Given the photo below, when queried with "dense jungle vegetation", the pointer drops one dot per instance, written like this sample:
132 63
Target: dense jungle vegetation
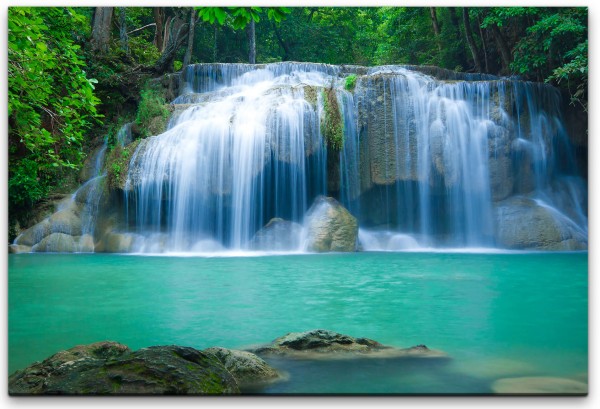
76 74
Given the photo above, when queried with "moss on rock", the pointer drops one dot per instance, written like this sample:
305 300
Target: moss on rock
332 124
109 368
117 165
153 112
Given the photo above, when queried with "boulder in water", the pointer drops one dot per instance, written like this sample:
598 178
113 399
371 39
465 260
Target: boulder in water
524 223
324 344
539 385
246 368
278 235
330 227
110 368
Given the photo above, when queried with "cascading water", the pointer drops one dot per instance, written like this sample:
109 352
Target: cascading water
425 162
249 150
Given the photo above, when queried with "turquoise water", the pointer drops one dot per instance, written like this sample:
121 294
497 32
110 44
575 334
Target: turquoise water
496 315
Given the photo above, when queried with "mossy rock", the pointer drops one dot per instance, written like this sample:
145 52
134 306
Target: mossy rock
109 368
310 95
117 165
321 344
332 124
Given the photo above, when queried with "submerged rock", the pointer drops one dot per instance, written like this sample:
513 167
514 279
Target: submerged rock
277 235
330 227
524 223
111 368
18 248
114 242
325 344
86 243
246 368
539 385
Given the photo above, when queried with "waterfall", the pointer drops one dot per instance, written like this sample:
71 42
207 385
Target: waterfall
428 155
250 151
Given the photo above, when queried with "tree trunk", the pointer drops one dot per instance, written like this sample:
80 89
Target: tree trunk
283 44
190 41
166 33
101 29
176 35
436 27
470 40
462 58
159 19
252 42
484 46
215 48
503 48
123 30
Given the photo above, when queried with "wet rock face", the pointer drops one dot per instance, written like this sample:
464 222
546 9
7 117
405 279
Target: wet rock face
523 223
114 242
330 227
111 368
277 235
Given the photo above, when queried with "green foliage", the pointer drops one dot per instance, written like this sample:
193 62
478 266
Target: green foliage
240 17
51 101
152 113
213 14
350 82
555 49
332 124
117 165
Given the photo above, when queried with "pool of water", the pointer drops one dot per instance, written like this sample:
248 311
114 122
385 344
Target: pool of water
496 315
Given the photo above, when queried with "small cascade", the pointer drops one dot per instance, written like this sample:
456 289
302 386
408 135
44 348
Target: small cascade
124 136
90 193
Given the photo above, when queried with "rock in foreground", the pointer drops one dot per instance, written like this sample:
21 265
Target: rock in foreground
110 368
247 368
324 344
330 227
